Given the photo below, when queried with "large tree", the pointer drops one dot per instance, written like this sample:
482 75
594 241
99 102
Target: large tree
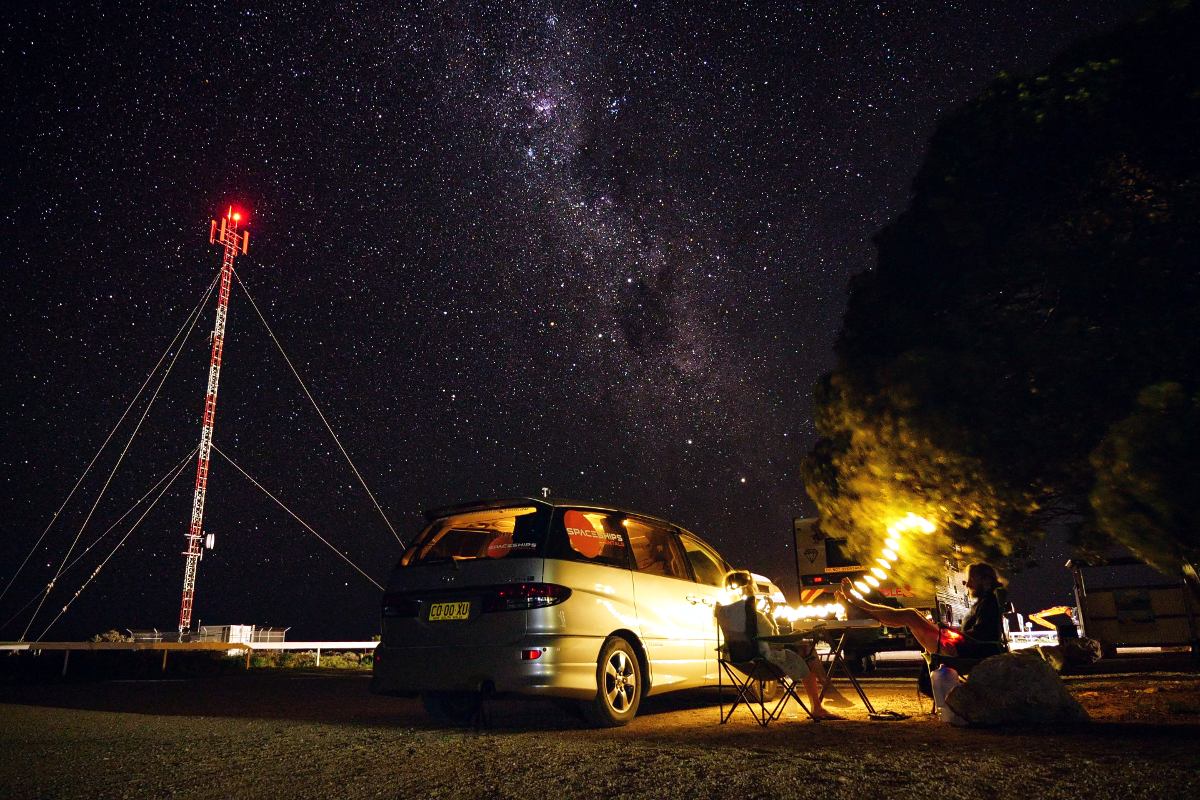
1045 272
1148 479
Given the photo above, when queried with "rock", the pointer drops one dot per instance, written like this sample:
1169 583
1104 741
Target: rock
1071 653
1015 688
1080 652
1053 654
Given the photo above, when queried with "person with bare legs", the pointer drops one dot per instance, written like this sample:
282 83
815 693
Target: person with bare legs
982 630
800 662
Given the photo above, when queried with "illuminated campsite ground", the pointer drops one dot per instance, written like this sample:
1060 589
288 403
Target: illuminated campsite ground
274 734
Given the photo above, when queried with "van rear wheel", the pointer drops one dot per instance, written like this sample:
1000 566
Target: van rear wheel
452 708
618 686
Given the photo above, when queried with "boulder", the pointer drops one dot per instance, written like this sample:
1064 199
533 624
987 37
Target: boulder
1081 652
1015 688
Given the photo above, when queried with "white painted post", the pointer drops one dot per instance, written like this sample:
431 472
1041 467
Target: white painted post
66 658
318 656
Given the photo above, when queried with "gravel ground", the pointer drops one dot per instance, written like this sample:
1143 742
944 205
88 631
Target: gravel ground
269 734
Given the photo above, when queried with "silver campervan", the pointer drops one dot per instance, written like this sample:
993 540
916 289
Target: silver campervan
553 598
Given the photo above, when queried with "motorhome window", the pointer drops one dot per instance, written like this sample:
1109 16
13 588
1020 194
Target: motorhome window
594 537
518 532
706 565
655 549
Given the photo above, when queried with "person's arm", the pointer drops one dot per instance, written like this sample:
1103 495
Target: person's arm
766 624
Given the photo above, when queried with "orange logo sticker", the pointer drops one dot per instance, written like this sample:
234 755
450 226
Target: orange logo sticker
588 538
500 545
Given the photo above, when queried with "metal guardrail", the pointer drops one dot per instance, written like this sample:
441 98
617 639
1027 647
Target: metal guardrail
35 646
312 645
317 646
231 648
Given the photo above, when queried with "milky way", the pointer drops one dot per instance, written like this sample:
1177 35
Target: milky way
600 248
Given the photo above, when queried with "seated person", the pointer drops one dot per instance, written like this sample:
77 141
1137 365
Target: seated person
982 630
798 661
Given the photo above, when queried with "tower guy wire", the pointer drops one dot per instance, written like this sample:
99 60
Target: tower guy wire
296 517
87 582
170 473
54 517
321 414
111 473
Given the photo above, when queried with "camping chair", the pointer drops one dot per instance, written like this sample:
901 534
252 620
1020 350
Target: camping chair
740 661
962 664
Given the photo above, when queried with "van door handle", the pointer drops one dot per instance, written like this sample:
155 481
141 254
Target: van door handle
693 599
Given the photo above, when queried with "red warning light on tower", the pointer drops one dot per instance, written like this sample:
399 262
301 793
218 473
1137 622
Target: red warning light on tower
226 230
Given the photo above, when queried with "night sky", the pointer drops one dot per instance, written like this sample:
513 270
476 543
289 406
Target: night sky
601 248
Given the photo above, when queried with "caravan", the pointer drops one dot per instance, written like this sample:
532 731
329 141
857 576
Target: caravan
822 562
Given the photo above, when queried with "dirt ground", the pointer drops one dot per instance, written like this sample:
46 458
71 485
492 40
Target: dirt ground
322 735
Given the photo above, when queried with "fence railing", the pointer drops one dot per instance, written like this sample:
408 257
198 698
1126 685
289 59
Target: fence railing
231 648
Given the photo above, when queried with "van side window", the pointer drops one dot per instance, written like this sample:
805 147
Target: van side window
595 537
706 565
655 550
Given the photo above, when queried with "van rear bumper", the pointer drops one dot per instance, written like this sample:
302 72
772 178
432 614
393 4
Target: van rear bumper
565 668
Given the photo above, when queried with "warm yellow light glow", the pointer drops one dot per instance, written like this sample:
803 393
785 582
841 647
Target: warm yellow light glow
911 522
491 515
855 592
890 554
727 596
893 542
871 579
883 562
862 587
878 573
791 614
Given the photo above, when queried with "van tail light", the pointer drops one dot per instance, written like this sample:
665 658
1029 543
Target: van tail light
518 596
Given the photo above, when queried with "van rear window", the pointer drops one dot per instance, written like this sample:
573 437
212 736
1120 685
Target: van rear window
517 532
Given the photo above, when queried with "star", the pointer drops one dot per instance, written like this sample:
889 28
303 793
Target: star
614 231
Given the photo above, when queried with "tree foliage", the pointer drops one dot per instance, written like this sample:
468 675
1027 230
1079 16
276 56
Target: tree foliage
1148 478
1045 272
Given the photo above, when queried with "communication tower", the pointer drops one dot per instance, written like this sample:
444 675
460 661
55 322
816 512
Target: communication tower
225 233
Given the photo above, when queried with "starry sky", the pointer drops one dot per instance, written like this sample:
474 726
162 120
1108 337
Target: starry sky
601 248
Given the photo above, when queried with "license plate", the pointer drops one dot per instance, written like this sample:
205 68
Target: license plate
440 612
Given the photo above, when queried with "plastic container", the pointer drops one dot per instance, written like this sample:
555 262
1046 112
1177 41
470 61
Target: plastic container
944 680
